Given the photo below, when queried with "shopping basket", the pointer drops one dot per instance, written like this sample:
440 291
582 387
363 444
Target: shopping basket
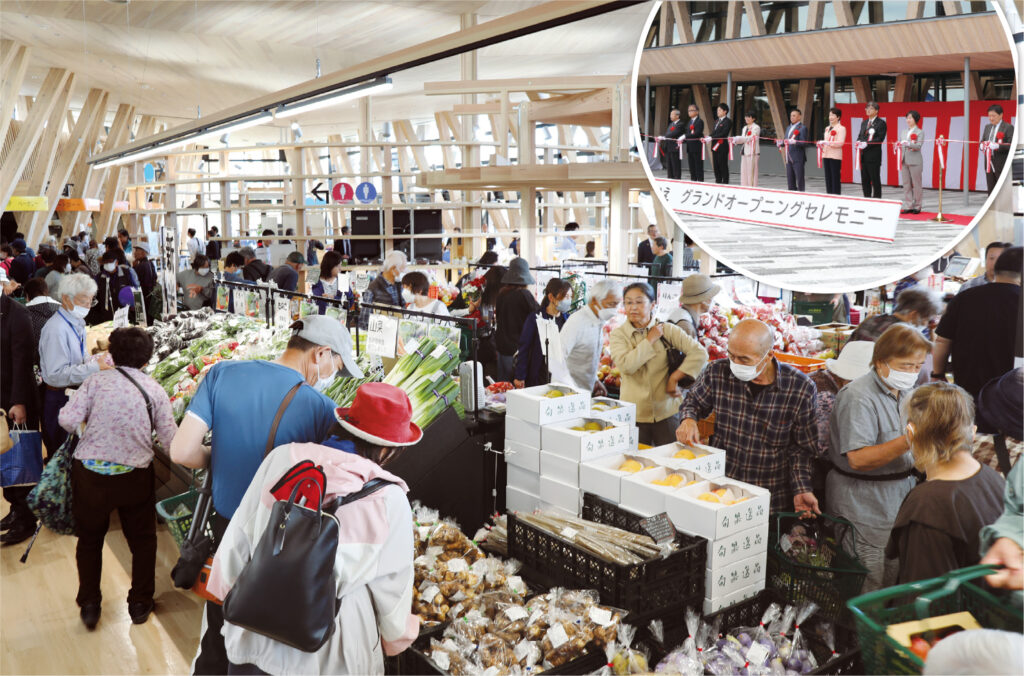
949 593
177 512
836 575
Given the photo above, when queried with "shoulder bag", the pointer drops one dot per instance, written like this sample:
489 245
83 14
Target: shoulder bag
149 408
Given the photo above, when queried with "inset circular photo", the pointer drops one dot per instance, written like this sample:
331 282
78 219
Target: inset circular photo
826 146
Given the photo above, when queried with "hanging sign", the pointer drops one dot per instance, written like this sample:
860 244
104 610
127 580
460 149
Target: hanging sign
381 335
342 192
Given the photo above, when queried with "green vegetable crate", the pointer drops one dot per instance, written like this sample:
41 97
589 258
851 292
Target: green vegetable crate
830 575
949 593
171 510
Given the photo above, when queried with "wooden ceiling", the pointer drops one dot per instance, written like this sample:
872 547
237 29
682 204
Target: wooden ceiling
170 57
925 46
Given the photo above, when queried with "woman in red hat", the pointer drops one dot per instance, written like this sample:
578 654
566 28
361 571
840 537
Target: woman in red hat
374 564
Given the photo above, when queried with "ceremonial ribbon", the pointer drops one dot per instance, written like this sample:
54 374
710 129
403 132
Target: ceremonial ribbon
856 157
704 147
679 144
657 144
821 152
986 147
940 146
897 147
731 141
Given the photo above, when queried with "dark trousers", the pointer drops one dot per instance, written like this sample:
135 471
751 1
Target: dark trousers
94 497
53 434
871 178
833 183
696 165
213 657
720 163
18 497
658 433
673 164
795 175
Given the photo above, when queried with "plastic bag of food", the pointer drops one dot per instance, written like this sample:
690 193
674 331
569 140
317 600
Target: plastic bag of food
528 654
494 651
603 624
563 641
451 657
470 628
510 622
623 657
800 658
429 603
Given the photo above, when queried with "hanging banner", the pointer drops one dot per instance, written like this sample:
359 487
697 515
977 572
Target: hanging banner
856 217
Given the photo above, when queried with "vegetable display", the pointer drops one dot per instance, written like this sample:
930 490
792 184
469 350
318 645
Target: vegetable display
424 372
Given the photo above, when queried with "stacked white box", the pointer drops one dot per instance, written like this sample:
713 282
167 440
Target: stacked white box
639 493
735 582
531 404
615 411
603 478
523 480
582 445
715 521
711 464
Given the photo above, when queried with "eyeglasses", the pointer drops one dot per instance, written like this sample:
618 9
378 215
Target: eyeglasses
92 302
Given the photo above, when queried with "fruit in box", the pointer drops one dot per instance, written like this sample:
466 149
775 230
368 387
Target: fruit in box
672 480
709 497
554 394
593 426
631 466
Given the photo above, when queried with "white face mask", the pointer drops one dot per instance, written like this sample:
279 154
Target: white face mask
67 268
408 296
745 372
901 380
203 271
323 383
80 311
606 313
564 305
110 267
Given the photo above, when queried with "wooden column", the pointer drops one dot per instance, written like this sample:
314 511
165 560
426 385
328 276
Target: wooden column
684 25
903 91
665 21
755 19
777 106
45 152
117 135
618 227
13 65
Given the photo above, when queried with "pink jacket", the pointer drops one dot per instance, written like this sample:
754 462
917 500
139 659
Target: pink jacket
834 145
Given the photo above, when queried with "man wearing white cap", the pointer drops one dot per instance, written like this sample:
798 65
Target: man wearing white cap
695 300
239 402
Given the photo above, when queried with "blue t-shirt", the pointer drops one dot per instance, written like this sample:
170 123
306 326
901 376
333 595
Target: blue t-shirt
238 401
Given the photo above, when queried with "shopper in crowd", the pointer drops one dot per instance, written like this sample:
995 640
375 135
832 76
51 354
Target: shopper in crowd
913 165
63 360
19 398
194 245
1002 542
662 265
59 267
489 297
567 246
124 240
582 337
750 152
992 253
112 244
532 367
872 463
44 262
6 258
286 276
23 266
328 286
514 305
416 295
77 264
374 567
916 306
20 235
41 306
197 285
639 349
237 401
234 265
386 288
92 257
264 247
994 652
591 248
980 326
311 247
483 264
113 469
832 154
213 247
764 417
870 144
114 284
343 245
254 270
144 269
645 250
695 300
854 361
937 528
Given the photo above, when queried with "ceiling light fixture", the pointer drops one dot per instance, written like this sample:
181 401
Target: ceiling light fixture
381 84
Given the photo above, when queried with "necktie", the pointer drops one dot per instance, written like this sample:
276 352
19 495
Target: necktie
992 134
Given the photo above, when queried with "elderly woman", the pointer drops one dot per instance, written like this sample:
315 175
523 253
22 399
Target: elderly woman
938 526
871 456
695 300
640 351
113 469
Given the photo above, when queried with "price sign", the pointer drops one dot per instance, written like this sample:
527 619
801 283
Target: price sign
282 311
659 527
121 317
239 299
668 297
381 335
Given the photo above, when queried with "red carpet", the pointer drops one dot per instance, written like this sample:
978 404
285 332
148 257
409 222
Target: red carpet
928 215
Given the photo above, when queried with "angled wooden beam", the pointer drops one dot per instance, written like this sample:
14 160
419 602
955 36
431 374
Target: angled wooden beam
844 13
20 153
975 91
777 106
684 24
862 89
755 19
904 88
805 98
732 20
117 135
703 101
14 69
915 9
592 108
665 20
489 108
45 155
83 175
815 15
706 28
951 7
74 149
445 135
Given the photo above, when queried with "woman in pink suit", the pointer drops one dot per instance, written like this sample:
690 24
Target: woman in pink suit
835 137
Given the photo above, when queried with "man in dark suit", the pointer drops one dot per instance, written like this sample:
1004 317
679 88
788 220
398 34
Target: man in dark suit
669 148
644 252
1000 135
694 136
796 151
343 244
872 133
720 144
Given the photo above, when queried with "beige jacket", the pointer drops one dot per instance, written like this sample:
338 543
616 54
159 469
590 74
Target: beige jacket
834 146
644 368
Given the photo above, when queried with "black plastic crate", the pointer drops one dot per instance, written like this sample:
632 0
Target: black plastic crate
606 512
645 588
416 660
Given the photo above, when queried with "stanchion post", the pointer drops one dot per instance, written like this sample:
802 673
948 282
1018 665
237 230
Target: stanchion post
939 218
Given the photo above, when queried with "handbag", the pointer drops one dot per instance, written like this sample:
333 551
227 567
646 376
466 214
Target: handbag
198 546
50 500
286 591
6 441
22 464
675 357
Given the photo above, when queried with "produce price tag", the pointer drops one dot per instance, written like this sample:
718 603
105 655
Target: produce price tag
282 311
757 654
381 335
441 659
515 613
601 616
238 301
431 593
121 317
424 585
492 671
569 533
659 527
435 552
557 636
458 566
438 351
668 297
436 375
480 567
515 583
536 615
424 532
522 650
411 345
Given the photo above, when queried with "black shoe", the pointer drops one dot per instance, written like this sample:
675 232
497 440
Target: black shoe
19 532
915 211
8 521
139 612
90 615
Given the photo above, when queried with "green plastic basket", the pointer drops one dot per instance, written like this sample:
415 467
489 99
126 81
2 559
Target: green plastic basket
830 585
950 593
178 525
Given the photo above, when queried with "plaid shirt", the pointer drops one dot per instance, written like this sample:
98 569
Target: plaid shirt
769 439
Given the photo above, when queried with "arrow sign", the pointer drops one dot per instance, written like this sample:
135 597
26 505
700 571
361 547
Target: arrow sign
319 193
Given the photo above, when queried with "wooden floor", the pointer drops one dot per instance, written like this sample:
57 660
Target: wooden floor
40 632
815 262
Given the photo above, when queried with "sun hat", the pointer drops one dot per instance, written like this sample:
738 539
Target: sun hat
329 332
380 414
698 289
518 272
854 361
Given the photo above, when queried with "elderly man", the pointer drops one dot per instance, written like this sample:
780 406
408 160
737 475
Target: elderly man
581 336
287 276
916 306
386 288
764 417
254 269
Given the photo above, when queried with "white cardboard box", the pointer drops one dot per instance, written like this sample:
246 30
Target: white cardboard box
523 479
560 468
531 405
737 546
559 438
521 501
715 521
522 432
710 465
555 509
561 495
521 455
603 478
642 496
622 412
714 605
735 576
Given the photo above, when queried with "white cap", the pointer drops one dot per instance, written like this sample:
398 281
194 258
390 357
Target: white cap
854 361
329 332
